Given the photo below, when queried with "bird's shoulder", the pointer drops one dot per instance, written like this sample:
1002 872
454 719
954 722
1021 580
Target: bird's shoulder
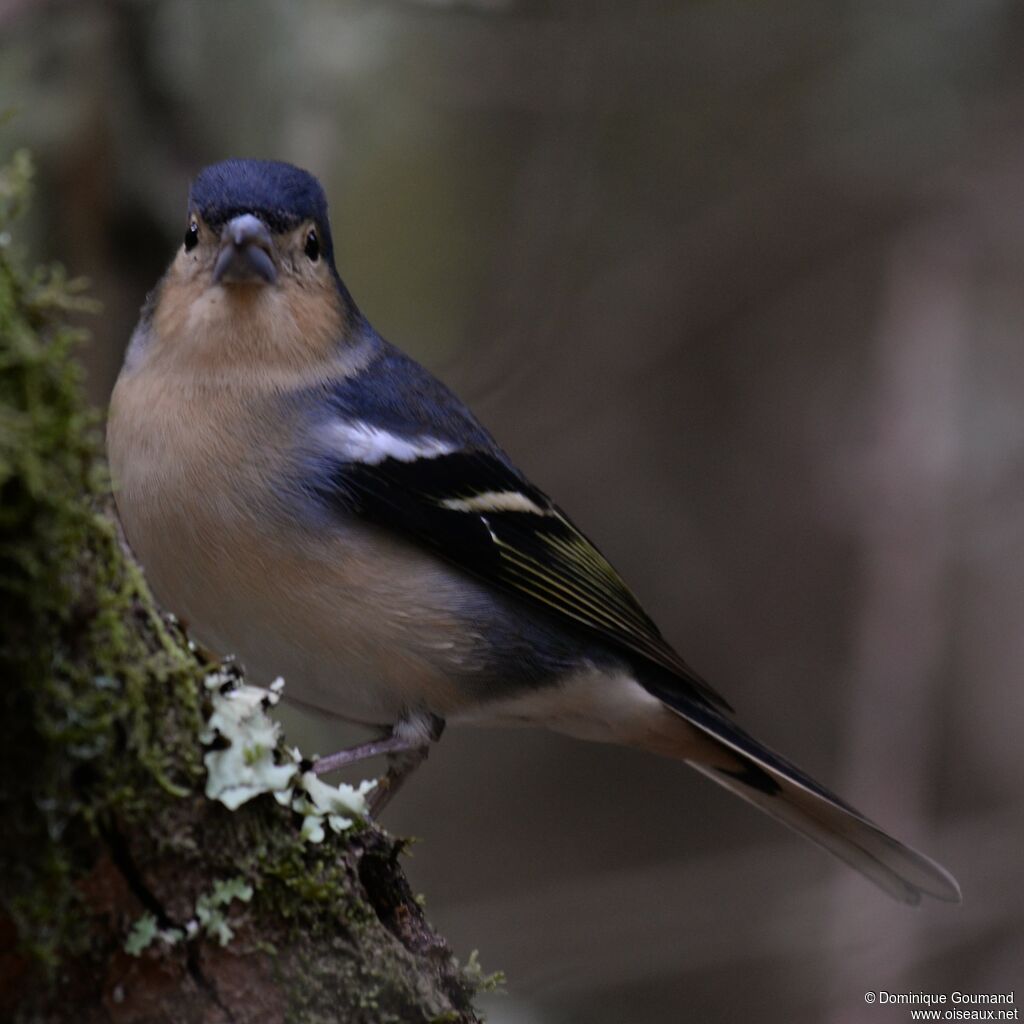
394 393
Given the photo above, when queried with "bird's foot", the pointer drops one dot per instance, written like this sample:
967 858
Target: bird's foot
406 748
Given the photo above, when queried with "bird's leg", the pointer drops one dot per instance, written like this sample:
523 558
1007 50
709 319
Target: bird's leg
424 729
406 746
391 744
400 767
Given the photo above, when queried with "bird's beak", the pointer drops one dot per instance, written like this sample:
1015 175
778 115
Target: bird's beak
246 253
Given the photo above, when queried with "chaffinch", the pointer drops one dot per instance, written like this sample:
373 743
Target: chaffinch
312 500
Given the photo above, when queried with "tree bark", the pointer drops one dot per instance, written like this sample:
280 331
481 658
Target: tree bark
126 894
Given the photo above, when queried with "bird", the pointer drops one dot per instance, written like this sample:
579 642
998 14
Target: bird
313 501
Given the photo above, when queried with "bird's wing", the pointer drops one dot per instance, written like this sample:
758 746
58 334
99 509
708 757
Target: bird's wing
475 510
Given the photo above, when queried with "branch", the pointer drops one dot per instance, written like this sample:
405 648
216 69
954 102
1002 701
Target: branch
126 892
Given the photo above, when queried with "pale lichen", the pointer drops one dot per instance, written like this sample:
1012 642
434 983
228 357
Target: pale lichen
243 763
147 931
142 934
338 805
248 759
210 908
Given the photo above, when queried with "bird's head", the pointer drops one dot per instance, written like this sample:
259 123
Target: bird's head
254 277
257 222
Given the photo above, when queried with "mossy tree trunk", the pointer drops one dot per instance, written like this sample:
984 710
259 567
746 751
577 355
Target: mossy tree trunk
125 893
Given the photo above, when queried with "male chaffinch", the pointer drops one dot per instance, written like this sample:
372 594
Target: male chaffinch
315 502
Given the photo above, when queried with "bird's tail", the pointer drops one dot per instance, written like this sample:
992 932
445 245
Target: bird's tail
735 760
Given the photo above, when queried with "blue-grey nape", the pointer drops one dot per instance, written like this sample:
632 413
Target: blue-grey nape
280 194
393 392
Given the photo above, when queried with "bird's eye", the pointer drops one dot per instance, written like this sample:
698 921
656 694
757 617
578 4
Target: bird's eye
313 245
191 236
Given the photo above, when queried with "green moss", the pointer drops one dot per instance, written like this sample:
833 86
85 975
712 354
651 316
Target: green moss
484 982
82 645
109 838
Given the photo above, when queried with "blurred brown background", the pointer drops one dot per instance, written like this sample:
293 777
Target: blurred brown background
741 285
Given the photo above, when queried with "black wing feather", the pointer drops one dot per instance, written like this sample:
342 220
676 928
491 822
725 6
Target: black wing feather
539 556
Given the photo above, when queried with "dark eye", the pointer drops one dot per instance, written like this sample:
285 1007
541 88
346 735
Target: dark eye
313 245
191 236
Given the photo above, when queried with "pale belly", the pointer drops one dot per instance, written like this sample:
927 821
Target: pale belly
364 627
364 633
